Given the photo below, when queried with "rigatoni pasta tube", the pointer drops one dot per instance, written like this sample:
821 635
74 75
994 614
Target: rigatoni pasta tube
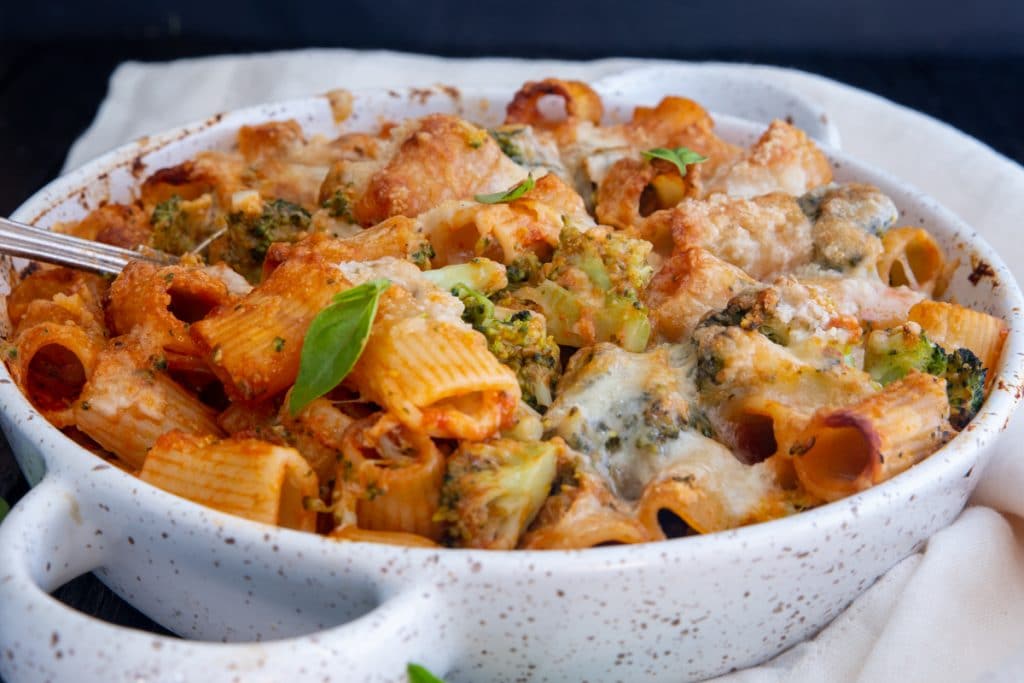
435 375
317 433
912 257
953 327
129 401
846 450
583 513
165 301
254 346
390 476
244 477
710 490
52 363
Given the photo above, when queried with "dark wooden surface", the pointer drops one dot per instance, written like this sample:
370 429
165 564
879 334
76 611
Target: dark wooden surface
50 92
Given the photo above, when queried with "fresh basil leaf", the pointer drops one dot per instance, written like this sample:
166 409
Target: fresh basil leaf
680 156
4 509
511 194
418 674
334 342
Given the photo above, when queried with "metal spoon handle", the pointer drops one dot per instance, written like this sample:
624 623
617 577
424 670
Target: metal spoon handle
26 241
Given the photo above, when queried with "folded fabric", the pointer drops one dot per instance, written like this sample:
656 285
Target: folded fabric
954 612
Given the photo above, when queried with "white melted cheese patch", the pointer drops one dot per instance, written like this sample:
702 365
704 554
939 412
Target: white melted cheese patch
435 303
629 412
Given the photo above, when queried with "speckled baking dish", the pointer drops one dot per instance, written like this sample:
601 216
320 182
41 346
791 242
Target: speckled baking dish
328 611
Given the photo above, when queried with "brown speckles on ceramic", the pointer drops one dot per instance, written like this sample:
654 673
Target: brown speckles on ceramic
298 606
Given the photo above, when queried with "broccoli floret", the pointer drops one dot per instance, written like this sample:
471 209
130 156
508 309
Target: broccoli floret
965 386
890 354
250 234
612 262
338 206
590 291
493 490
523 269
480 274
179 226
751 310
423 255
518 339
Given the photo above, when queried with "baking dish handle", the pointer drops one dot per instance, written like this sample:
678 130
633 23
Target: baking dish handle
44 542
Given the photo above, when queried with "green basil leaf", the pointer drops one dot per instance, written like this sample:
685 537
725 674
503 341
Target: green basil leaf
4 509
334 342
511 194
418 674
680 156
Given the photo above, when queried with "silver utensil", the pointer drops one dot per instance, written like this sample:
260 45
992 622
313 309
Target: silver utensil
26 241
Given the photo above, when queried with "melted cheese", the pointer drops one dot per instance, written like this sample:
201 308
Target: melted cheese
435 303
629 412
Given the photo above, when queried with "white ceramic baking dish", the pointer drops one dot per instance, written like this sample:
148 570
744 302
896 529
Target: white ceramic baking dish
312 609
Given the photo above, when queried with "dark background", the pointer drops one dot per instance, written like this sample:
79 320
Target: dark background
962 62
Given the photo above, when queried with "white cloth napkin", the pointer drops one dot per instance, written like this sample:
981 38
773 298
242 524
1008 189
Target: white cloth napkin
954 612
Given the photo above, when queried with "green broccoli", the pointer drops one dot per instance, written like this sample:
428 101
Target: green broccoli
965 386
752 310
250 234
518 339
338 206
890 354
493 490
590 291
179 226
524 268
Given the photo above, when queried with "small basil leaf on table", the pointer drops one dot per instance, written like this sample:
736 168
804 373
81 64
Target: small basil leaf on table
511 194
418 674
680 156
334 341
4 509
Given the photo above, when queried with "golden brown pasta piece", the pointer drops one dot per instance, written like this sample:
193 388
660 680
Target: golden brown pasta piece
51 363
681 122
189 180
316 432
583 513
243 477
784 160
764 236
434 375
460 231
390 477
442 157
710 491
912 257
555 193
688 286
254 346
398 237
129 401
46 283
274 139
846 450
165 302
634 189
953 327
123 225
355 534
579 99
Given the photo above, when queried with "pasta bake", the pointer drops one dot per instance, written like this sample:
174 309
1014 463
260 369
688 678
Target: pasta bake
555 333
